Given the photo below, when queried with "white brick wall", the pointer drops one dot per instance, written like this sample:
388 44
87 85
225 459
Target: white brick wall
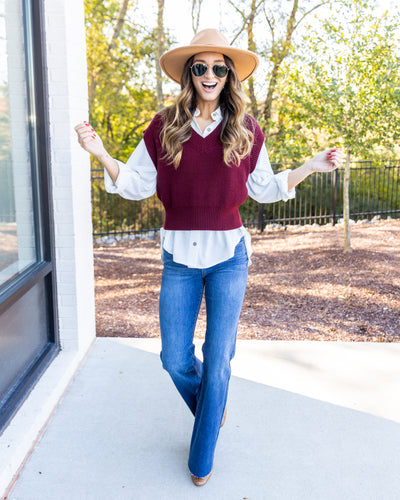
67 84
70 169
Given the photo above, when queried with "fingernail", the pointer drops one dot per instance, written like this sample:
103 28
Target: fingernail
94 136
86 124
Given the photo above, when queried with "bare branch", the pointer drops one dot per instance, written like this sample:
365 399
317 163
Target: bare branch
196 11
261 2
160 50
309 12
118 26
291 21
243 28
269 22
244 17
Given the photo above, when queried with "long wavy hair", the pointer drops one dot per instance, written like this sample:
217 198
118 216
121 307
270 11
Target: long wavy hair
237 140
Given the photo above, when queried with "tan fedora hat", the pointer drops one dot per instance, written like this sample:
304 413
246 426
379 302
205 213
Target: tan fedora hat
208 40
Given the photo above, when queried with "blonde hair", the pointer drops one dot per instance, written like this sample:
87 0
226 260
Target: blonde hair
236 139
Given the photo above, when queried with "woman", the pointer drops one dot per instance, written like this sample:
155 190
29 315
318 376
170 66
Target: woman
203 156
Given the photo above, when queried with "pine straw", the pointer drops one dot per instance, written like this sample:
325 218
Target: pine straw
301 286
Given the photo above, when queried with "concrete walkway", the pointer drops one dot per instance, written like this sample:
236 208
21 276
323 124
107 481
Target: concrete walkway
306 420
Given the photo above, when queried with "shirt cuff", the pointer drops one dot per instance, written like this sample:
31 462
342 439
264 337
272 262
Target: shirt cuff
121 181
282 181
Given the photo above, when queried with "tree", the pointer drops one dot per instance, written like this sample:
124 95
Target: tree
247 26
119 25
125 89
282 45
120 57
195 12
94 13
281 24
348 86
160 51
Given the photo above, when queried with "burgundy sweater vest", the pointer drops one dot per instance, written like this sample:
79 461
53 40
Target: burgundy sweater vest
203 193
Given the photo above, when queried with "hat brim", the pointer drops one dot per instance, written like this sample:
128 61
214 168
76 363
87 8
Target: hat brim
173 61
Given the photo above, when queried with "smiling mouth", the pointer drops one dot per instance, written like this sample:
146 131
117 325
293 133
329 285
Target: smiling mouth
209 86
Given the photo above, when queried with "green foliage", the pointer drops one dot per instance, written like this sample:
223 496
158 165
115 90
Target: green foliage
339 84
121 62
121 57
345 89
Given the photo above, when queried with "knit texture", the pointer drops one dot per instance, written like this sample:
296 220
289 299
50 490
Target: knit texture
203 193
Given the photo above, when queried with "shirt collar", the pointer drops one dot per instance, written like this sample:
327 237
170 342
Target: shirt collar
215 115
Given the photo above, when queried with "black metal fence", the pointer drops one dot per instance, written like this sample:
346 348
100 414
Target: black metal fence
374 190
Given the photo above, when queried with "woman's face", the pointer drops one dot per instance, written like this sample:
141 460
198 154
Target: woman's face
209 86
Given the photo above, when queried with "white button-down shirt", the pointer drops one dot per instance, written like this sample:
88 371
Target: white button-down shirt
137 180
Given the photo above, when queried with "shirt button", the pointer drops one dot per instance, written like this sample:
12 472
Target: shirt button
194 243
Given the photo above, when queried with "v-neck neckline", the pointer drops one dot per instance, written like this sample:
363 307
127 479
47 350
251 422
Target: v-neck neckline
208 135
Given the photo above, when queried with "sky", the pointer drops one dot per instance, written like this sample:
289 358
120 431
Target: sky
177 16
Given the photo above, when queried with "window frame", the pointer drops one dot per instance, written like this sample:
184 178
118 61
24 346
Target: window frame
43 270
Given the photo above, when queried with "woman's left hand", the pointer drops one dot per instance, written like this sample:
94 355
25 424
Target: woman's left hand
327 160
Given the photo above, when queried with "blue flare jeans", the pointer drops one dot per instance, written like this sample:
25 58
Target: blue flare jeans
202 385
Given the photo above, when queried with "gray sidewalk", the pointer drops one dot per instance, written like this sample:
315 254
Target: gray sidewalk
306 420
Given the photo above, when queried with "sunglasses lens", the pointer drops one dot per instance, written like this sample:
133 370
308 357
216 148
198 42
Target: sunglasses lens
220 71
199 69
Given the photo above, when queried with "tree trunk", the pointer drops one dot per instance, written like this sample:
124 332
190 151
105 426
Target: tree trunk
252 46
111 46
92 90
346 204
196 11
160 50
248 26
279 52
270 94
120 23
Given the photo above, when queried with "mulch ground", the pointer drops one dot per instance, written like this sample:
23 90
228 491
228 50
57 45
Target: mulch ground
302 286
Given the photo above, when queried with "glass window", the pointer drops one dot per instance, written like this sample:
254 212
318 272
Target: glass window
28 326
17 230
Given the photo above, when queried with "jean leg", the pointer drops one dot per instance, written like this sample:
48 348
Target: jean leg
180 300
225 286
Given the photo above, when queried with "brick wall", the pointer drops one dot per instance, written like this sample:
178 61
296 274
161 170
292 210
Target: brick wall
67 85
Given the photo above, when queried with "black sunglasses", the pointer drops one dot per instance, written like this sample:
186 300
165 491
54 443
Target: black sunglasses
200 69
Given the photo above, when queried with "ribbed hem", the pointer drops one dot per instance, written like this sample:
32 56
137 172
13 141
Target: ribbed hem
201 219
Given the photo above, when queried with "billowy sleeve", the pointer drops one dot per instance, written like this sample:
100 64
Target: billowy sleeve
266 187
137 178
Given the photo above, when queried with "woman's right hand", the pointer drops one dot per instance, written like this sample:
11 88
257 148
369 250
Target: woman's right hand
89 140
92 143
